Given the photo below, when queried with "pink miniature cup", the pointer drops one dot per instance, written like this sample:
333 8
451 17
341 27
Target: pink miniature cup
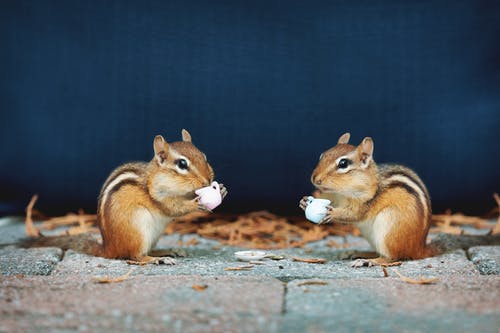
210 196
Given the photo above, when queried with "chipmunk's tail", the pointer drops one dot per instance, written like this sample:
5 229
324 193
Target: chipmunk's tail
83 243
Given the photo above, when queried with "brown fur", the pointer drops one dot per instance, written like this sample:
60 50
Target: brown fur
366 193
169 196
120 239
196 157
138 199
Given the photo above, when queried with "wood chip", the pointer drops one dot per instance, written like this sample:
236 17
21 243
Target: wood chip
199 287
496 228
256 230
106 279
450 223
191 242
69 219
239 268
310 260
30 228
384 270
87 228
416 281
306 283
333 244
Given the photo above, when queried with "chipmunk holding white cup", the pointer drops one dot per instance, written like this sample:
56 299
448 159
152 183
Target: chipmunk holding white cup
388 203
139 199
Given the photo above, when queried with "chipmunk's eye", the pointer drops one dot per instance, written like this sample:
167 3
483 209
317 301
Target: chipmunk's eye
343 163
182 164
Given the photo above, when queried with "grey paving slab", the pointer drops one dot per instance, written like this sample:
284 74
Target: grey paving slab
210 258
143 303
36 261
475 231
486 259
12 230
452 263
211 262
330 242
160 298
454 304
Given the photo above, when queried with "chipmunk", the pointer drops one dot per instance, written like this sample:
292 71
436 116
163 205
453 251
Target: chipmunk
139 199
388 203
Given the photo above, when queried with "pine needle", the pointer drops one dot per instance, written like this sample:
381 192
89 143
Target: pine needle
107 279
496 228
307 283
310 260
199 287
416 281
30 228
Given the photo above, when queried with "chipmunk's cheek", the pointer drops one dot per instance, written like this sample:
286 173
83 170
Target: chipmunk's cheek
331 186
326 188
186 188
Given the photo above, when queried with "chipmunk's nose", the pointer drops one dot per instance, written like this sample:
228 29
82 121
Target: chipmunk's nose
315 179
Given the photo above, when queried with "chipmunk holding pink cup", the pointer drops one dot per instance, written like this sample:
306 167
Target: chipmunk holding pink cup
389 203
139 199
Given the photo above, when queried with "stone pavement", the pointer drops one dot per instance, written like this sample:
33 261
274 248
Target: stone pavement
46 289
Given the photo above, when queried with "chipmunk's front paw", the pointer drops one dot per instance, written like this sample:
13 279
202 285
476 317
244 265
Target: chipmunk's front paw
147 260
362 263
165 261
223 190
200 206
328 217
304 202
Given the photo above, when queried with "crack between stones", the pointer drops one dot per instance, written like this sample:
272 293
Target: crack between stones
468 255
285 292
62 255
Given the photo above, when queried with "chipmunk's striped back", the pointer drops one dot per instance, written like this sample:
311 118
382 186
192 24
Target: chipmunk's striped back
126 174
399 215
394 175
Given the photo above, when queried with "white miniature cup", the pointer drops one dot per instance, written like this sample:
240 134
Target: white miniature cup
316 209
210 196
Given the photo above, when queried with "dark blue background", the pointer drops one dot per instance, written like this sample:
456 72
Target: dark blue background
263 86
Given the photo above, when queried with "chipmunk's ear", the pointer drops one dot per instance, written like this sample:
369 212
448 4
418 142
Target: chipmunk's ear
344 139
186 136
160 147
365 151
